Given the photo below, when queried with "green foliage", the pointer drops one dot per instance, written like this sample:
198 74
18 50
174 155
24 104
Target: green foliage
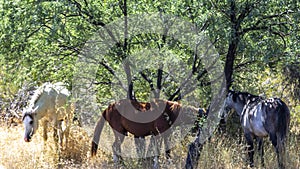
41 41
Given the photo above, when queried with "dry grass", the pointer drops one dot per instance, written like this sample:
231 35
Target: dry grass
220 152
16 153
228 153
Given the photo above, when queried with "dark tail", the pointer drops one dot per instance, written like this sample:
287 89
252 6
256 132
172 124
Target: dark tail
282 133
97 133
283 122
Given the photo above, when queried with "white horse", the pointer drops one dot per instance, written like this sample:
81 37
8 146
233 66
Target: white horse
49 104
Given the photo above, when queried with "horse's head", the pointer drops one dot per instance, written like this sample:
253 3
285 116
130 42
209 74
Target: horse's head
230 99
30 124
227 106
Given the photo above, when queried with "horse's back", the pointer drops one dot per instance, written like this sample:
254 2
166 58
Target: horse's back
265 116
277 116
275 107
58 89
55 99
121 116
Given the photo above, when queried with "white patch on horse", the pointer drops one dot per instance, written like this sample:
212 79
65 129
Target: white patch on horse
256 125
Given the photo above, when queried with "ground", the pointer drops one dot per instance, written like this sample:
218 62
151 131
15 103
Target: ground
220 152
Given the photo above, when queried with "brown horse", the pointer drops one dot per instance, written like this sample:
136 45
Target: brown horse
143 119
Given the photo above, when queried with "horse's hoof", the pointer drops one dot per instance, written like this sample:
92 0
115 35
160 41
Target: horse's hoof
115 160
27 139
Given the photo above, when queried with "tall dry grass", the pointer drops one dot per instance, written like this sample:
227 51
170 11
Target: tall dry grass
220 152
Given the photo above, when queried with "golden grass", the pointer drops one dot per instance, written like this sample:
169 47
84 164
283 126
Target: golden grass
220 152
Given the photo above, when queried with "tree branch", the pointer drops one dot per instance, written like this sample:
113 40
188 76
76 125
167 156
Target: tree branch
145 77
239 66
278 15
159 80
246 11
86 15
269 25
220 10
107 67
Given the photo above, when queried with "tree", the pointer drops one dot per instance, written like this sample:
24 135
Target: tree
40 41
249 21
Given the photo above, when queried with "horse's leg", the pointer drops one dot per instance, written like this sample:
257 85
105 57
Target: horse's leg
56 136
66 132
68 122
140 146
119 138
261 150
278 148
60 133
157 140
281 153
250 148
281 141
167 149
140 149
66 135
45 126
153 152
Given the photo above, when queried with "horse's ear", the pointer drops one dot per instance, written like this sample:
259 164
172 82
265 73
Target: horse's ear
34 110
230 92
24 112
23 117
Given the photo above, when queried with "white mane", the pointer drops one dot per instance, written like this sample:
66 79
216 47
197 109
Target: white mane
37 93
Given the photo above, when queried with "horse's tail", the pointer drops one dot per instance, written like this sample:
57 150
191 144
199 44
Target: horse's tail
97 133
282 132
283 121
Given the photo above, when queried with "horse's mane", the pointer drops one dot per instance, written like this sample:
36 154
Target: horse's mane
37 93
175 106
59 87
152 105
245 96
141 106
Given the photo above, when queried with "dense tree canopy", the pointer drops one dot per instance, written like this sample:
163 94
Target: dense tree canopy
257 42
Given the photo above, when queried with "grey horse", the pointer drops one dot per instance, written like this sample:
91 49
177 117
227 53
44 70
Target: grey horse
260 118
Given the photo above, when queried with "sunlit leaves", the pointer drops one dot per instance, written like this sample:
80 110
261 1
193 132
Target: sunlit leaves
40 40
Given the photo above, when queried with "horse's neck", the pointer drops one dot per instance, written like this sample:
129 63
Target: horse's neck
40 109
238 107
39 114
241 103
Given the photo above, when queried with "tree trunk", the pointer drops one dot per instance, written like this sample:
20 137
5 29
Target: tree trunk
228 69
233 44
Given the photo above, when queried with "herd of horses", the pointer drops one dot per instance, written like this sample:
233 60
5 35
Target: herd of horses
259 118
